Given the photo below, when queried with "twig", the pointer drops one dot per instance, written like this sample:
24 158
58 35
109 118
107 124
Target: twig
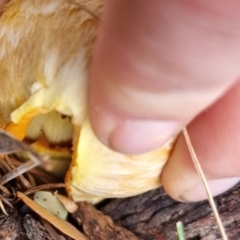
9 145
205 183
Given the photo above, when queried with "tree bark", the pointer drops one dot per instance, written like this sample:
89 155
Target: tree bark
153 216
150 216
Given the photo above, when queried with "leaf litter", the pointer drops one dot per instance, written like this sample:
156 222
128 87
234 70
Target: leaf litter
19 181
84 214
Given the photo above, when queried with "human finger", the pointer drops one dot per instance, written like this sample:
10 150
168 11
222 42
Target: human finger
156 65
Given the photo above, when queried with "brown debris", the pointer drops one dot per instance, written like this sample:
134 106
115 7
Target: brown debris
10 226
98 226
10 145
60 224
154 215
34 229
69 204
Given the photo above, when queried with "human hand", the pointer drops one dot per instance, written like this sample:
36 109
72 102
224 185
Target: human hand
160 65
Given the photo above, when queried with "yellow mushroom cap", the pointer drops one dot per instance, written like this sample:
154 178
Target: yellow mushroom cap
97 171
45 53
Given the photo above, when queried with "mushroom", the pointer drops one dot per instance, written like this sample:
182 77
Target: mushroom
45 54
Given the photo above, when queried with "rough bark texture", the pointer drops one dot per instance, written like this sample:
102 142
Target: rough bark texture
10 226
34 229
154 215
97 226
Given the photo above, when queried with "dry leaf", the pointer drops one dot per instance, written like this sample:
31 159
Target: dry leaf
51 230
69 204
60 224
51 203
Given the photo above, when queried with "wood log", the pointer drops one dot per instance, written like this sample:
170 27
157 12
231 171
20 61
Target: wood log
153 216
150 216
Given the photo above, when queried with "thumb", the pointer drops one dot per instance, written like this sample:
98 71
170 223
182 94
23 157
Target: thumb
156 65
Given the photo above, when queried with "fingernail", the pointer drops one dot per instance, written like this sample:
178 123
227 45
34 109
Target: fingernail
136 137
218 186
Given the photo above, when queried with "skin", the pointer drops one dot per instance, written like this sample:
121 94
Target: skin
162 65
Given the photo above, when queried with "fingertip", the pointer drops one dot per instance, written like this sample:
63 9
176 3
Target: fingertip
182 182
199 192
179 174
141 136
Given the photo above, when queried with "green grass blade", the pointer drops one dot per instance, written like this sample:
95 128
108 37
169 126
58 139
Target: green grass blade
180 231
